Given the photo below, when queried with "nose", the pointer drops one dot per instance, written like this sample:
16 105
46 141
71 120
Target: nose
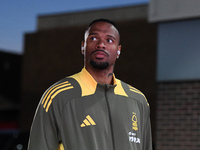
100 45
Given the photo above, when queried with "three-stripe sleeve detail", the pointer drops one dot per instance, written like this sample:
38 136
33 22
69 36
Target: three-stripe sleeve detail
137 91
52 92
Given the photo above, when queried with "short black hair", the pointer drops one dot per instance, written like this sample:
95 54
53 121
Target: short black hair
103 20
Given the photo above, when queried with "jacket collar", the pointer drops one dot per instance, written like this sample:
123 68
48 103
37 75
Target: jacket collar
88 84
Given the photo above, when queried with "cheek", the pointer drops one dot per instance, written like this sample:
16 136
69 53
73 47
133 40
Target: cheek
113 54
114 50
90 47
90 43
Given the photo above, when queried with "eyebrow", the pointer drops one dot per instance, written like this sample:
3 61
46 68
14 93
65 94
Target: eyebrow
110 36
93 34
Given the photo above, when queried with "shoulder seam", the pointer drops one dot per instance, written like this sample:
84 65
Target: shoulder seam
137 91
53 92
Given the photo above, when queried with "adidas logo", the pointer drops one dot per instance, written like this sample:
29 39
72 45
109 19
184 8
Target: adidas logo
88 122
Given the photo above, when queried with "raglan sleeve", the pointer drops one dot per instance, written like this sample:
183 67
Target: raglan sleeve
147 136
44 129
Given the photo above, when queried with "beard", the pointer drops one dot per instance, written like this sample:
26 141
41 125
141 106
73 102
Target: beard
99 65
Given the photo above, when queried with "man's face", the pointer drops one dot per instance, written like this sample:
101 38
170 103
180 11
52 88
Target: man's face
101 45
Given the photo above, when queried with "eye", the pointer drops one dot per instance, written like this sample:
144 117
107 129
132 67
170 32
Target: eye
93 38
110 41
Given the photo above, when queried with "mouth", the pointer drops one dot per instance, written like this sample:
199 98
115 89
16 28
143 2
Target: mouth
100 54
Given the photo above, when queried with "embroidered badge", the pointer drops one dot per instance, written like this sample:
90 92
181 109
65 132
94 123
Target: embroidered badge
134 122
133 135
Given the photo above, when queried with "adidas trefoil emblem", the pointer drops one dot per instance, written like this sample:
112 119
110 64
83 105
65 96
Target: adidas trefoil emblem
88 122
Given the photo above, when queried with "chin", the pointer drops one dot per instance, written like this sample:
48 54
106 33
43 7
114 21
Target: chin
99 65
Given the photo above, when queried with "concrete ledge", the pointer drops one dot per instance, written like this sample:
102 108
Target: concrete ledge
82 18
170 10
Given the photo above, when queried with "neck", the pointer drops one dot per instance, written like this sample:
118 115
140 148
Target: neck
104 76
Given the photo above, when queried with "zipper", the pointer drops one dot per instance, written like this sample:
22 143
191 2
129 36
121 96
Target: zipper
109 114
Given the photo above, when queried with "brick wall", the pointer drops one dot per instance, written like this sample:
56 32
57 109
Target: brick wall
178 116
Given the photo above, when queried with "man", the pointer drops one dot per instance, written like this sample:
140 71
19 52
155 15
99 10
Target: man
92 110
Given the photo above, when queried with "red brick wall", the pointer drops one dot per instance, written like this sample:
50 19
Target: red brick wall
178 116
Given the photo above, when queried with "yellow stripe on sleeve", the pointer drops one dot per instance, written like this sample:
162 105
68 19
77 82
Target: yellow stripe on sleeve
51 90
54 95
54 91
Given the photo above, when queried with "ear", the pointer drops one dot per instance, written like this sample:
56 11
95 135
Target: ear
82 47
119 49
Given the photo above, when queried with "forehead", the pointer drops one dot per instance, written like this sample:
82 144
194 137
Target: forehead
103 27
